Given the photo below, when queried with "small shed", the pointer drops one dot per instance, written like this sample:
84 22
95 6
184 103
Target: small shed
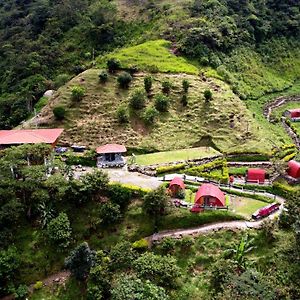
256 176
210 195
294 113
176 185
294 169
110 155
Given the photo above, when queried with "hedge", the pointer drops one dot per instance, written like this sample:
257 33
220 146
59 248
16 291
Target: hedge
166 169
81 160
136 190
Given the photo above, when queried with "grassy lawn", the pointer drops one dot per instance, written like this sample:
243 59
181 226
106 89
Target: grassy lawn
245 206
152 56
170 156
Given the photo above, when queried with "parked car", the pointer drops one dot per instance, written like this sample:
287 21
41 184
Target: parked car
181 203
265 211
78 148
60 150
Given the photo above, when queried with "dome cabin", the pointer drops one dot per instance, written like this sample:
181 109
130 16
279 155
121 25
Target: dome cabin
176 185
294 114
208 195
256 176
294 169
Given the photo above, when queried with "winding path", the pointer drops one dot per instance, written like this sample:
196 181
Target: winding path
277 102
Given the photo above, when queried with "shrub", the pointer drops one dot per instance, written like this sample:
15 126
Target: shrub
124 80
38 285
80 261
135 190
138 99
21 292
131 287
59 112
184 100
167 245
113 65
208 95
77 93
103 77
148 83
149 115
121 256
185 85
61 80
122 114
110 213
186 243
59 230
166 86
162 103
162 270
141 244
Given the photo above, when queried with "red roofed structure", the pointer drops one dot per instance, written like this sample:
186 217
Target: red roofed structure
209 195
29 136
111 148
294 113
176 185
110 155
294 169
256 176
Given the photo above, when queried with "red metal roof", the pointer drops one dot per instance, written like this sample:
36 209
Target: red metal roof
294 112
177 181
294 169
29 136
208 189
111 148
256 175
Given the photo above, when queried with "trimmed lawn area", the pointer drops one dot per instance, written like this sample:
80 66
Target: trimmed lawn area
245 206
170 156
152 56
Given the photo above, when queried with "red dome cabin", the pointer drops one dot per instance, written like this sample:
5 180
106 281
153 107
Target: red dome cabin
176 185
256 176
208 195
294 169
294 113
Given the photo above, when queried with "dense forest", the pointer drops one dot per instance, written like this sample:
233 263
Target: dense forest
45 43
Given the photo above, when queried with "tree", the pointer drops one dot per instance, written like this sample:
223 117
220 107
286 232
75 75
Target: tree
184 100
59 112
9 263
121 256
124 80
162 270
155 203
148 83
137 99
77 93
110 213
149 115
98 285
185 85
120 195
166 86
122 114
130 287
162 103
59 230
103 77
113 65
207 95
80 261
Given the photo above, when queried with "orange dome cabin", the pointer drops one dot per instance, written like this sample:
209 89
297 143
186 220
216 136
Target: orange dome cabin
208 196
176 185
256 176
294 169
